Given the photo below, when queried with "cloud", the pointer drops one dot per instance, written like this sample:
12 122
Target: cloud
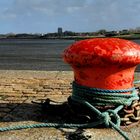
112 14
44 7
76 15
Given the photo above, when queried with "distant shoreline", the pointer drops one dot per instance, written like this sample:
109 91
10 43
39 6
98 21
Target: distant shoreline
73 38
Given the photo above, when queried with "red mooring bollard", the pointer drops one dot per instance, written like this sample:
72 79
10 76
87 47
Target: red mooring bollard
105 63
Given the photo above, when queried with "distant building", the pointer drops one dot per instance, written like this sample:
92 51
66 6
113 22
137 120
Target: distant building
137 30
60 30
111 33
124 32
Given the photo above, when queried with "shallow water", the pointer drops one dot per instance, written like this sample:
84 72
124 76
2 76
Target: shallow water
34 54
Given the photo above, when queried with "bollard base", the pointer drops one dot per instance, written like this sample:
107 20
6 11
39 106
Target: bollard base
130 115
73 112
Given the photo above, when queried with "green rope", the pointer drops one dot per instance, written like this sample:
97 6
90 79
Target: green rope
105 97
137 82
91 97
103 90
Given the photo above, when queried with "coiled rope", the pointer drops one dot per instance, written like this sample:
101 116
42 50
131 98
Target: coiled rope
92 97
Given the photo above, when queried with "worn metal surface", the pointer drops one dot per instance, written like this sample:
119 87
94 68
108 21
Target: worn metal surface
106 63
131 113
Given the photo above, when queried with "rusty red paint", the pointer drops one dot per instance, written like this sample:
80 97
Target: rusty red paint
106 63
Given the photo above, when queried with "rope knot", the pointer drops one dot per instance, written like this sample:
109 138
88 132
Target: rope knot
110 115
106 117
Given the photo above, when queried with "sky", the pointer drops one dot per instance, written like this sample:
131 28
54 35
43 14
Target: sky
44 16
